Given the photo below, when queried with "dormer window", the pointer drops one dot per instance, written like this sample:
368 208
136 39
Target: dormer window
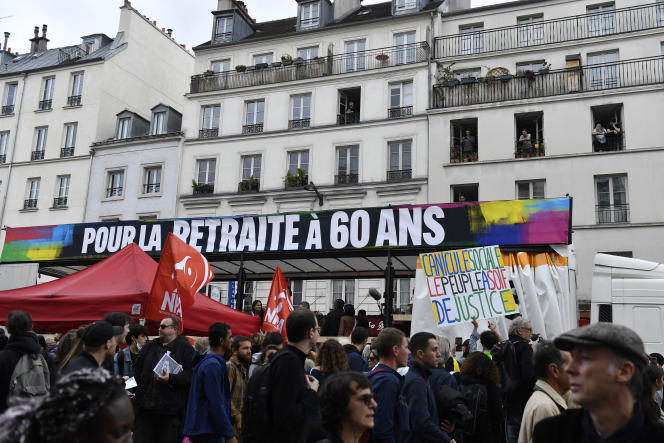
309 15
405 5
159 123
224 29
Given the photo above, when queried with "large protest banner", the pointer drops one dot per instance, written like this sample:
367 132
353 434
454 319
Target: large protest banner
465 283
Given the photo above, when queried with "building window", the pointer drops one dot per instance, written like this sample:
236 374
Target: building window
308 53
465 193
41 135
529 134
472 39
152 180
401 291
9 99
464 140
296 291
69 142
344 290
123 128
251 167
205 171
405 50
522 68
309 15
608 133
404 5
471 73
603 70
400 167
254 114
221 65
158 123
349 106
531 189
4 145
115 183
46 101
32 193
263 58
612 202
601 20
401 100
75 89
210 121
298 160
530 31
62 192
660 12
354 58
300 111
224 29
348 161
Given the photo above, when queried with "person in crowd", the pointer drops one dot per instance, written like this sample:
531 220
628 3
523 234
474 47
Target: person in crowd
552 383
304 305
599 137
333 319
291 391
391 415
3 339
268 353
347 323
257 309
487 338
452 364
21 341
362 319
210 391
99 343
331 358
56 341
125 359
347 407
89 405
358 340
372 359
653 380
658 360
202 345
271 339
468 145
256 342
605 379
161 399
425 425
237 378
123 321
478 383
523 377
439 375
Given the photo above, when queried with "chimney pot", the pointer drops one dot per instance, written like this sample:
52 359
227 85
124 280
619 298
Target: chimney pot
36 31
170 32
6 40
154 22
44 27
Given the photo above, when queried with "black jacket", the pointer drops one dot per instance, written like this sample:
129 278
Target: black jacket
332 322
18 345
355 360
289 396
84 360
164 398
515 402
575 426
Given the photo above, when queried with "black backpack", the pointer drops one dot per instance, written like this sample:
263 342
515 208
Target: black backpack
504 357
476 398
257 412
452 406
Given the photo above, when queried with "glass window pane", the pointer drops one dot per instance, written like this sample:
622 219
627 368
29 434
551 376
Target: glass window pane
523 190
538 189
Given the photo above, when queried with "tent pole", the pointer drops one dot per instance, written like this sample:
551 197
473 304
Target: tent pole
389 289
241 277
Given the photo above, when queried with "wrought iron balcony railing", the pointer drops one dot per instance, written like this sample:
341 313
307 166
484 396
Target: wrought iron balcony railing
114 192
565 29
74 100
30 203
346 179
60 202
152 188
314 68
204 188
208 133
37 155
246 186
529 149
598 77
404 111
45 105
7 109
612 213
67 152
223 37
399 175
252 129
612 142
299 123
295 181
348 119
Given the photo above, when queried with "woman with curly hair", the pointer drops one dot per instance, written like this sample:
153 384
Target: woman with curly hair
86 406
347 407
478 382
331 358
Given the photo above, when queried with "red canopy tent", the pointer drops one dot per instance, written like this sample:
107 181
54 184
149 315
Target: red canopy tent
117 283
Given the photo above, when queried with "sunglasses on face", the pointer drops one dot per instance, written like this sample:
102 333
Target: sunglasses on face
367 399
164 326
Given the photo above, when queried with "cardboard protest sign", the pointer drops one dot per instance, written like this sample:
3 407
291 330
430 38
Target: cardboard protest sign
466 283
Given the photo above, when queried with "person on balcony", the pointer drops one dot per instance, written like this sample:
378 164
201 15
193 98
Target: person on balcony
613 134
599 138
525 144
468 146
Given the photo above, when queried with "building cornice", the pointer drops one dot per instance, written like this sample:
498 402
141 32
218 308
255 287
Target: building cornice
143 139
618 226
35 163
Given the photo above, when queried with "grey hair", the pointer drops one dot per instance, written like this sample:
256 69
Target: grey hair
444 348
518 323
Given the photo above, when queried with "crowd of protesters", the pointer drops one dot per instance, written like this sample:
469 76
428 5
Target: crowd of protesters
591 384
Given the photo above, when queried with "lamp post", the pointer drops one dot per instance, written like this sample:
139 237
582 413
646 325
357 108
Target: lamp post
312 187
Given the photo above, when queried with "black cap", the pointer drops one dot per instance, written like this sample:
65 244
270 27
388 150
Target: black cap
621 339
99 332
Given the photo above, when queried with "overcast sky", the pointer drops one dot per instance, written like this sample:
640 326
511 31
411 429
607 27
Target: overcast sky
68 20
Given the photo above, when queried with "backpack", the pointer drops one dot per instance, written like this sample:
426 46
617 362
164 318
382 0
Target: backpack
257 411
400 414
31 377
504 357
452 406
476 398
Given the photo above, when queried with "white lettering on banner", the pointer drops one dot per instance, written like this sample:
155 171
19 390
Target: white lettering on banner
196 234
386 228
314 237
102 240
247 235
180 229
359 238
141 237
291 231
212 225
114 238
229 228
128 235
155 238
172 303
339 232
410 226
89 235
275 221
262 229
437 231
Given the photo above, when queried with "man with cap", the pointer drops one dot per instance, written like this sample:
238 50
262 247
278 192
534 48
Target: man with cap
606 380
98 344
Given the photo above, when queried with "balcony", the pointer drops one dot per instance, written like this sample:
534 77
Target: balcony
403 111
74 100
3 158
248 186
547 32
612 213
315 68
295 181
45 105
300 123
152 188
613 143
399 175
545 83
252 129
67 152
30 203
114 192
203 188
60 202
348 119
208 133
346 179
37 155
7 109
528 150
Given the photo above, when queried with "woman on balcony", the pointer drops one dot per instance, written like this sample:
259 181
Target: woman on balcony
525 144
599 137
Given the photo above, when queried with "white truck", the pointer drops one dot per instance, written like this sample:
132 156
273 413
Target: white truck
630 292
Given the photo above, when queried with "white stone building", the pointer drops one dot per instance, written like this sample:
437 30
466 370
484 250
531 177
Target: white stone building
556 68
57 102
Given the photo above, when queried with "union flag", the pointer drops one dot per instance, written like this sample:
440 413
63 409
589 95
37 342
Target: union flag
279 305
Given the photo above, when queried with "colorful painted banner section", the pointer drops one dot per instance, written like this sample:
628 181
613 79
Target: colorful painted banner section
466 283
436 226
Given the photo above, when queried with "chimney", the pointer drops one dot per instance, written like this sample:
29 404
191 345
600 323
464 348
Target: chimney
170 32
6 40
38 44
344 7
224 5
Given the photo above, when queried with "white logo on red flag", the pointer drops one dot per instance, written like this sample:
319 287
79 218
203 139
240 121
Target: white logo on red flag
279 305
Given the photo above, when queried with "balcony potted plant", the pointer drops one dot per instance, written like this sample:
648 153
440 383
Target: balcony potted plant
208 73
382 58
296 180
287 59
445 76
241 68
249 185
202 188
545 68
261 66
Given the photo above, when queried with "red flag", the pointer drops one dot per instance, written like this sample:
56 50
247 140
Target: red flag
279 305
182 272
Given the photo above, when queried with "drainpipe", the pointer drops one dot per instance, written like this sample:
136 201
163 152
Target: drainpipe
11 160
87 188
